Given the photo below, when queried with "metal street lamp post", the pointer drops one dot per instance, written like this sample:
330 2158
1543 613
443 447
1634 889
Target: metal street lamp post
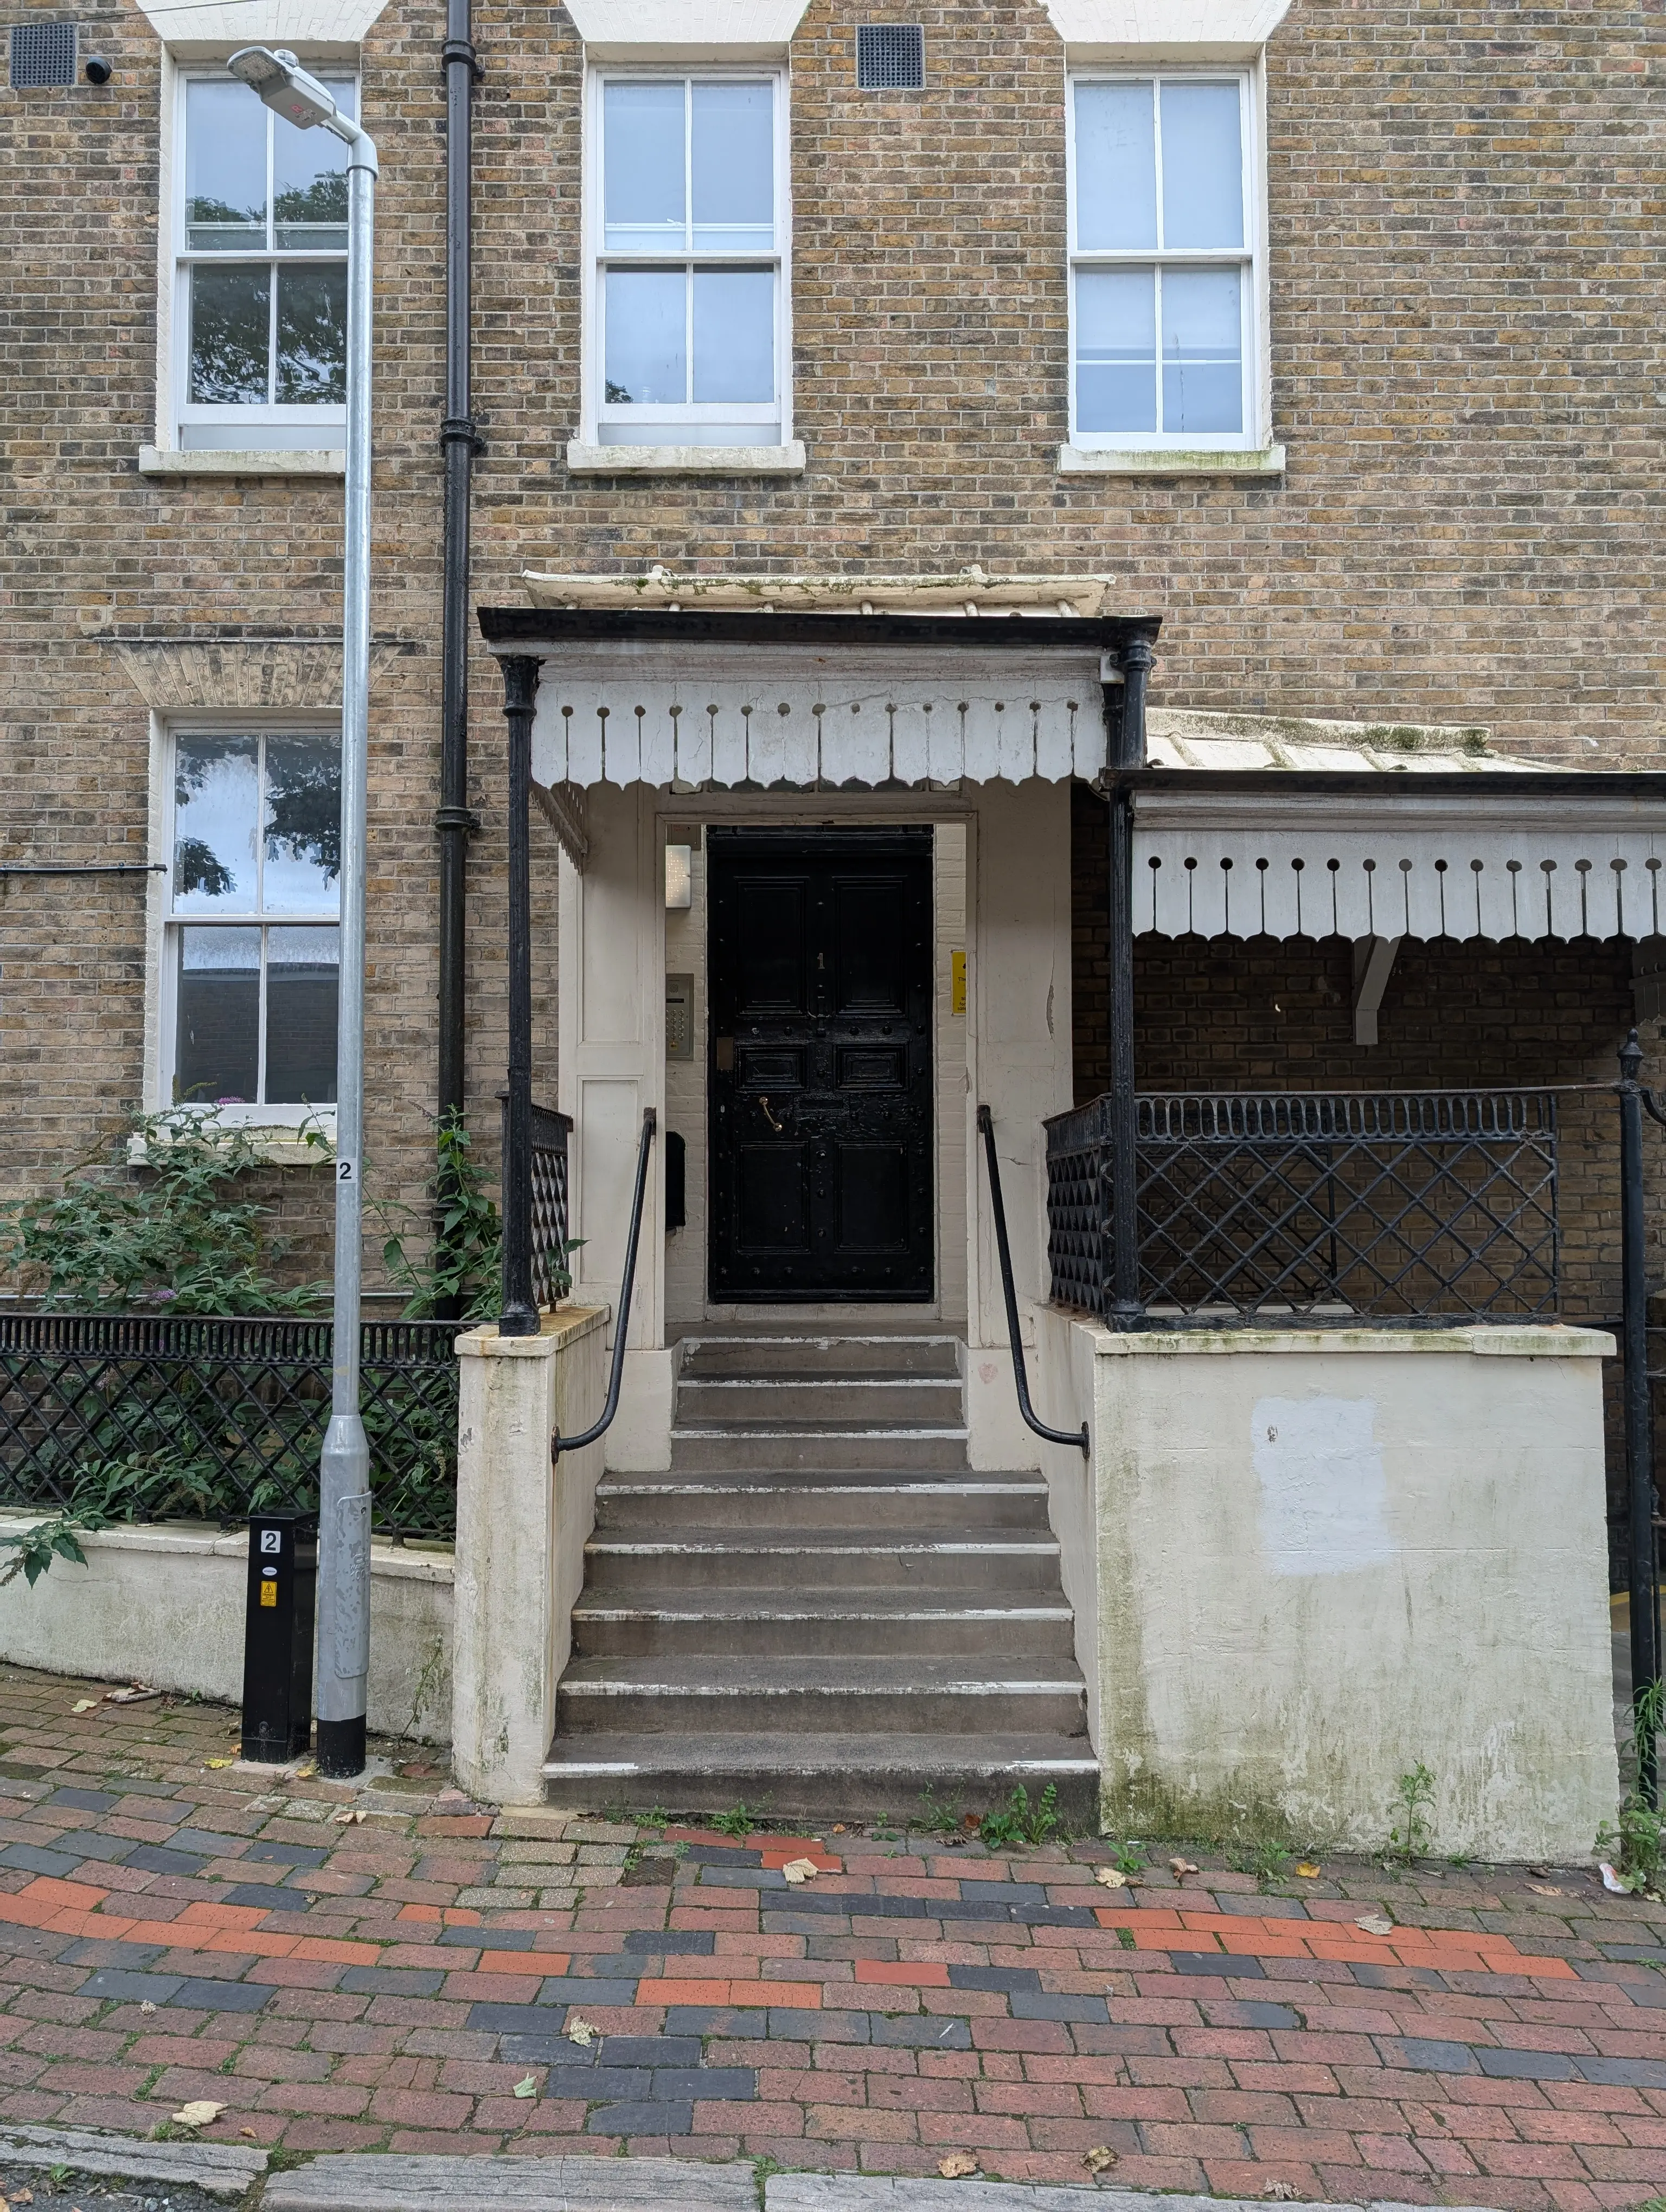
343 1567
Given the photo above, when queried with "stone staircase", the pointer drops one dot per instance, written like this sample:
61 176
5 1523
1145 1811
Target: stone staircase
820 1608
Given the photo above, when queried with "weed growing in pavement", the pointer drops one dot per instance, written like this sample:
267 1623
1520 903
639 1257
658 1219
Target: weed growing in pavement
1269 1862
739 1821
1636 1845
765 2168
1128 1858
1415 1795
937 1819
1020 1822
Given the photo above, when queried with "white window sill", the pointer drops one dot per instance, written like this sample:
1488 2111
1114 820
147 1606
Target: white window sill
242 461
279 1145
1166 461
786 460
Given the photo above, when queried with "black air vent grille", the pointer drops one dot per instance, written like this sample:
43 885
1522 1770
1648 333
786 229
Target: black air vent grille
890 56
42 53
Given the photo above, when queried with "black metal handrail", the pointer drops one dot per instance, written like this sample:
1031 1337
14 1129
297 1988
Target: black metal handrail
986 1123
1331 1205
558 1445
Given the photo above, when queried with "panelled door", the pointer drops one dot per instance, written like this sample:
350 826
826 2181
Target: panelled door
820 1065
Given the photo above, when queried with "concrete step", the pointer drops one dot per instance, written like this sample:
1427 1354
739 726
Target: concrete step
829 1448
946 1504
797 1774
820 1352
824 1560
855 1695
786 1622
833 1401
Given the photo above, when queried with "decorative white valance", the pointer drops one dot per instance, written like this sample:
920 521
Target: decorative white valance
1304 866
669 715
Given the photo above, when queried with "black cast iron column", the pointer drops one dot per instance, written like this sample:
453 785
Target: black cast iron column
459 442
519 1314
1128 729
1639 1438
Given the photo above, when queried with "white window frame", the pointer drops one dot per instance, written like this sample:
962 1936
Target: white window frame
1251 258
594 411
163 934
326 419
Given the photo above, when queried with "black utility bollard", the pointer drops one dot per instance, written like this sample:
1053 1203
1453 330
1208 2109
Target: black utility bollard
277 1636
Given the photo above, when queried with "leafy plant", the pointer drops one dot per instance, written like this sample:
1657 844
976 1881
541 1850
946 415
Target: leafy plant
937 1819
1128 1858
1636 1845
176 1232
1415 1795
34 1549
739 1821
459 1278
1267 1859
1019 1822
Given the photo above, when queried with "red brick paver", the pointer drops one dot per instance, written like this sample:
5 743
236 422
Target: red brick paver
169 1929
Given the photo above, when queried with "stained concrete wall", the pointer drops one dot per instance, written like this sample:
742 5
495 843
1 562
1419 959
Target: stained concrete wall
164 1604
1304 1562
522 1525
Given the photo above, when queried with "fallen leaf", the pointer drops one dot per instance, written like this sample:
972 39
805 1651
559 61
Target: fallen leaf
305 1771
134 1694
198 2113
798 1870
249 2133
957 2165
1307 1870
1099 2158
83 1704
1181 1867
1545 1889
1611 1880
528 2087
581 2032
24 2196
1375 1923
838 1827
347 1815
5 2204
1543 1872
1108 1878
217 1763
146 2005
1282 2192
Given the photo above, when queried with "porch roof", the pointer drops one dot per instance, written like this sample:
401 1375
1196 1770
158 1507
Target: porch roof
1244 825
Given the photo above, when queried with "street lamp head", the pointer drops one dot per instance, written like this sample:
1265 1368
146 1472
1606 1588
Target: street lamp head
284 86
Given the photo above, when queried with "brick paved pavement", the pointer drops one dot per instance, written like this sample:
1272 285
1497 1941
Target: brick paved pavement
170 1930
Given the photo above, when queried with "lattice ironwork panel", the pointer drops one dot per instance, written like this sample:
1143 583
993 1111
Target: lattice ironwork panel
145 1417
1397 1203
549 1209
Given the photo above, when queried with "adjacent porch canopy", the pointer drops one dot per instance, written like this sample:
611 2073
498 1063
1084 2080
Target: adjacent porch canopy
1241 825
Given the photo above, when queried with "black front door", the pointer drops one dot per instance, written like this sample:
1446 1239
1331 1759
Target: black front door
820 1065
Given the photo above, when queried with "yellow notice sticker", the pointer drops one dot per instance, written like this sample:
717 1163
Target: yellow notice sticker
956 983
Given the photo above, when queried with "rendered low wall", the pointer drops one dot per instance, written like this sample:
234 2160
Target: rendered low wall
1304 1562
164 1604
522 1525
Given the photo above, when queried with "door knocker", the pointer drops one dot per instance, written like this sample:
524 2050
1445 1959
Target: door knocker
776 1126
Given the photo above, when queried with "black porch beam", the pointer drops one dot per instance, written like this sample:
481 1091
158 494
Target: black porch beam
519 1316
528 629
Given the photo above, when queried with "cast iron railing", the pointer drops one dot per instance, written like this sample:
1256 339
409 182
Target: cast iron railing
1078 1438
547 1182
1327 1205
160 1416
604 1421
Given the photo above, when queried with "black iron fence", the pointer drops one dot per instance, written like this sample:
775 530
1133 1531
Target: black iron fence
542 1176
148 1417
1325 1205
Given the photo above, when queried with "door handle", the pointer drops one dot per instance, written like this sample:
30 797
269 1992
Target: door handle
776 1126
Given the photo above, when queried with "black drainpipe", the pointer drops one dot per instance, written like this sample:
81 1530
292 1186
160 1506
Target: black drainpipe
460 442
